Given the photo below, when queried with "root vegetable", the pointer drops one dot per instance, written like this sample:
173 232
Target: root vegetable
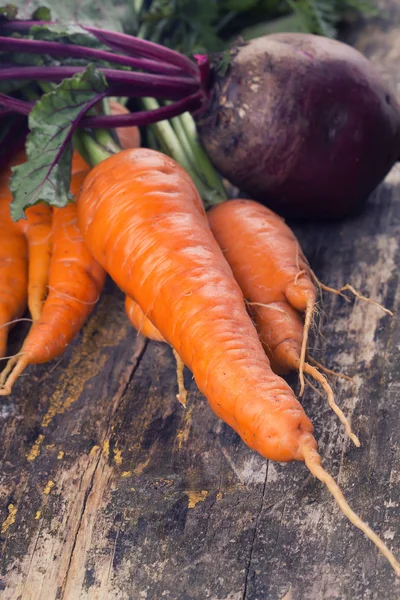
303 124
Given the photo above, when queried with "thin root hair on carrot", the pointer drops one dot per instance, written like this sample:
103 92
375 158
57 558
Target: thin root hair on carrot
350 288
63 295
8 358
42 240
270 306
315 374
13 370
182 392
314 389
307 324
14 322
73 222
313 463
299 274
329 371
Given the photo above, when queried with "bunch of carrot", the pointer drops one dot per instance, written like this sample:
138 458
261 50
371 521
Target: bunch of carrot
227 291
45 264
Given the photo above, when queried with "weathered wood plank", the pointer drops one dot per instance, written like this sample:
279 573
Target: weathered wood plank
150 501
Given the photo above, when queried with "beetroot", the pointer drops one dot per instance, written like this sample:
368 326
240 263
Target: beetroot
303 124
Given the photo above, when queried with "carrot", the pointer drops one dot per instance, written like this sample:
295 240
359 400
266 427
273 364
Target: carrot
129 137
147 329
13 265
37 231
36 228
141 322
75 282
140 215
275 278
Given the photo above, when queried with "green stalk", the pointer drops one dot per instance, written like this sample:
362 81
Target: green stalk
170 143
94 152
105 106
105 139
183 140
79 146
203 162
46 86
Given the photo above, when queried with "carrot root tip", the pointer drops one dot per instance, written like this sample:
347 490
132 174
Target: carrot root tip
182 392
350 288
315 374
12 371
307 325
313 463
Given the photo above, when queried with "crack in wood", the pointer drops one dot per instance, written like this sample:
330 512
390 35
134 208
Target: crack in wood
137 358
255 534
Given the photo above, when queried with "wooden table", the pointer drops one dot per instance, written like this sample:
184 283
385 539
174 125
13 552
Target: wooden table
110 489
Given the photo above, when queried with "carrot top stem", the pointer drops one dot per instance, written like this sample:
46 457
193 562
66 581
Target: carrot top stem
313 463
171 144
94 151
178 139
203 163
105 139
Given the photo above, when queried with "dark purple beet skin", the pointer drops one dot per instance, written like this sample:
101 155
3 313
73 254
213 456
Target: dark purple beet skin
302 124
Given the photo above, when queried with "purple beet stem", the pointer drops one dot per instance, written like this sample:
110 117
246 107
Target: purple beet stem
123 41
145 117
70 50
150 85
13 105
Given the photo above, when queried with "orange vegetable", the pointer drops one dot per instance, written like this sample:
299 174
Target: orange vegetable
147 329
141 322
37 231
129 137
276 280
13 265
140 215
36 228
75 283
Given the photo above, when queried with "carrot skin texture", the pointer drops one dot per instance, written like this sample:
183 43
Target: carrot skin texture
37 229
13 265
75 283
271 270
140 321
144 222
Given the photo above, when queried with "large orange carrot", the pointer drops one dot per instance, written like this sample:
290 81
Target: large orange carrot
141 217
75 283
13 265
275 278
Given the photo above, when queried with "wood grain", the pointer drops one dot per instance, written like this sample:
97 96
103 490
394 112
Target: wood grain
110 489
